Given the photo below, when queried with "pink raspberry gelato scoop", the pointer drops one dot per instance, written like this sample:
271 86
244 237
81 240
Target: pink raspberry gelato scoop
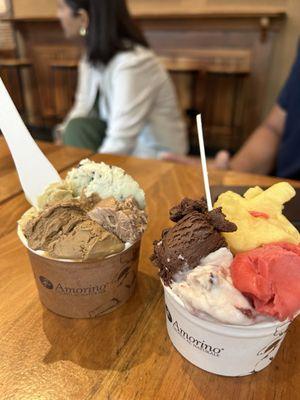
270 277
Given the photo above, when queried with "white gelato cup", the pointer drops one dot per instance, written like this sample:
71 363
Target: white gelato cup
228 350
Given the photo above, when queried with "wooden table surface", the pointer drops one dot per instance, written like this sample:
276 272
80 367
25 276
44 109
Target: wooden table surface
125 355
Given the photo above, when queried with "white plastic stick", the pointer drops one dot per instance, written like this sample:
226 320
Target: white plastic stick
203 163
34 169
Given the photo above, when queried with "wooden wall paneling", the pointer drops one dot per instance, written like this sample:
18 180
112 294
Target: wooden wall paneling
30 8
139 7
43 42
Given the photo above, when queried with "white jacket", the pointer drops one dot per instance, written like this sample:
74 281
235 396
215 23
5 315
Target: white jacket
138 102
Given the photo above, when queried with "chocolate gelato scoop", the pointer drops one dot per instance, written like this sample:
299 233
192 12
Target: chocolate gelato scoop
186 207
195 235
122 218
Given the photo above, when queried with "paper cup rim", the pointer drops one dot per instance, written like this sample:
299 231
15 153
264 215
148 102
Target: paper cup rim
69 261
212 324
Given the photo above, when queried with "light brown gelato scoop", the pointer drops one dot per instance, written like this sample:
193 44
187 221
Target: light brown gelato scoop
65 231
87 240
122 218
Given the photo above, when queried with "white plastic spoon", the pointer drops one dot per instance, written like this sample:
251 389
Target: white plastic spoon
34 169
204 163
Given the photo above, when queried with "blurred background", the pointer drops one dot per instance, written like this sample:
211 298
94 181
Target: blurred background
228 59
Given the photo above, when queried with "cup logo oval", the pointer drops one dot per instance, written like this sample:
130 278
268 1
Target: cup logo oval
46 283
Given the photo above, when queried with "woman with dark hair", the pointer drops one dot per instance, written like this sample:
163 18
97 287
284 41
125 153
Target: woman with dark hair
122 79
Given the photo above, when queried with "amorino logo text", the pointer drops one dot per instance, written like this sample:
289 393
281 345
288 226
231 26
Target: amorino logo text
81 291
197 343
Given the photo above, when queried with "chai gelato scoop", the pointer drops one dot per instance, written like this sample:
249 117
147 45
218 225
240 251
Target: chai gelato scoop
65 231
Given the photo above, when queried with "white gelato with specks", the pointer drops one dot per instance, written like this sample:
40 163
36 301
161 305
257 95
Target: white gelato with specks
105 180
208 289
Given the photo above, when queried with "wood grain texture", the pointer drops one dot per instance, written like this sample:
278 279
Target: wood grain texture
125 355
6 37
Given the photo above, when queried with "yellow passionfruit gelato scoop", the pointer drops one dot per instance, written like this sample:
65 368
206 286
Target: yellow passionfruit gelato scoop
258 216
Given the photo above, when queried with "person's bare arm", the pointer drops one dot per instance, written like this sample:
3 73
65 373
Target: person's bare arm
258 154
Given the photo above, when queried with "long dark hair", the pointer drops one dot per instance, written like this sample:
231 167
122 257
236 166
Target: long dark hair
111 28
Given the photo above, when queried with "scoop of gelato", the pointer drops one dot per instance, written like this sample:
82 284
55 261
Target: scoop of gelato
27 216
122 218
55 193
53 222
195 235
105 180
270 276
86 241
258 216
187 206
65 231
208 289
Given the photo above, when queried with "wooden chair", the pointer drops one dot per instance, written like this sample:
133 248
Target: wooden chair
198 70
64 78
209 67
11 70
234 65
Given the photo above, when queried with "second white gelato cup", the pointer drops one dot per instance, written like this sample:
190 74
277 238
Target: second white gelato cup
228 350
